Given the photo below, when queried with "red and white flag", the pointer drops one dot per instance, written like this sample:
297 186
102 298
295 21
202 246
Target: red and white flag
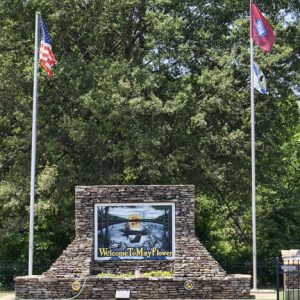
262 32
47 58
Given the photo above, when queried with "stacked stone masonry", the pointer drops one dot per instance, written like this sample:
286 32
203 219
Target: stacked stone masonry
140 288
192 260
292 278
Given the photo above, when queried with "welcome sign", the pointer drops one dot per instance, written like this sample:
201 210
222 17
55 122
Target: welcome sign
134 231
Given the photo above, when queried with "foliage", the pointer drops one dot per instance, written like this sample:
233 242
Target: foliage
157 274
110 275
150 92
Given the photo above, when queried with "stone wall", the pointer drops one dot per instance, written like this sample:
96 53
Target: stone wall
76 260
291 267
292 279
37 287
192 259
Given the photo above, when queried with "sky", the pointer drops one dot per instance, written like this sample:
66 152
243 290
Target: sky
144 211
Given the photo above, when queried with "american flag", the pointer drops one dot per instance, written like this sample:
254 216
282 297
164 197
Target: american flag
47 58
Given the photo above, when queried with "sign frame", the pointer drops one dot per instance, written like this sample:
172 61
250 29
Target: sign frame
103 259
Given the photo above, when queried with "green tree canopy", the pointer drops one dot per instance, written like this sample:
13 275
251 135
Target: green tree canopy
149 92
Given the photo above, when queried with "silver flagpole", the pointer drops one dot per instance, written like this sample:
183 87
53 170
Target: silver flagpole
33 145
253 156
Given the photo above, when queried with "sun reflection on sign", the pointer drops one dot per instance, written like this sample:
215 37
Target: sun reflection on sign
135 221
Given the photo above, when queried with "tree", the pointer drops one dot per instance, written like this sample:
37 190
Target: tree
145 92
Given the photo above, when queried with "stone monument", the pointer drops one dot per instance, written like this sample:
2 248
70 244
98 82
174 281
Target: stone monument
291 271
121 228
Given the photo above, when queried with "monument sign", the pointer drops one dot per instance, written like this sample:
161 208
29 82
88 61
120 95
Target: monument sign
125 232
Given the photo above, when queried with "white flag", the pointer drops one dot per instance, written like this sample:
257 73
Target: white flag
259 79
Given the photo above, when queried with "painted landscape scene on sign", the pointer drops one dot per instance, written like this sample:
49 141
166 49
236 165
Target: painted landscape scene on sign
134 232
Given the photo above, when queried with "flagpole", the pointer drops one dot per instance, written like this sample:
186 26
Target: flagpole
253 156
33 145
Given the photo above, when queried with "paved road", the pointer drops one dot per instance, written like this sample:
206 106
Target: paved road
10 296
